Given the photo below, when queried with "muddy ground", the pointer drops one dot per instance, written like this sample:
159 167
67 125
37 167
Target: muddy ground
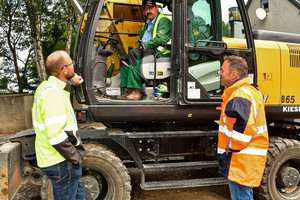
198 193
32 192
29 191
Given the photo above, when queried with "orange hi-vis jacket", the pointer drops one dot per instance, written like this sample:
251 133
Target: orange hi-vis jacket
243 129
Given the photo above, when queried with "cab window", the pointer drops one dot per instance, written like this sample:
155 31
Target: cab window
211 24
200 22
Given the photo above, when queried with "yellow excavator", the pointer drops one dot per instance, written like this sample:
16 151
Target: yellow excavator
176 130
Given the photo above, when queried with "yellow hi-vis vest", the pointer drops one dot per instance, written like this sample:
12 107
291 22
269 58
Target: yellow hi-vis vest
52 115
155 30
160 48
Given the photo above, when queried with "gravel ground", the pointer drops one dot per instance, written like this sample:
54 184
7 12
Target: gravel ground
197 193
30 191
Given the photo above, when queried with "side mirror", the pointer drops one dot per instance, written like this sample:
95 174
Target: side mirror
261 14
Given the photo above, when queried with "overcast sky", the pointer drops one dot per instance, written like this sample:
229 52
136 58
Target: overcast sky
226 4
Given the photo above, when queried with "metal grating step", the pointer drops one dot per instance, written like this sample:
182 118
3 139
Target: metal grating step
184 183
181 165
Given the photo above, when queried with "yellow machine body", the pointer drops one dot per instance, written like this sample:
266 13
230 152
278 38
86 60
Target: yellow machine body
278 69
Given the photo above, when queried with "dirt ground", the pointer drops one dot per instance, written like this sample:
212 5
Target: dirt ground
197 193
32 192
29 191
207 193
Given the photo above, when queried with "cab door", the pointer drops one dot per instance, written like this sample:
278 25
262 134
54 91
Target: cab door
212 29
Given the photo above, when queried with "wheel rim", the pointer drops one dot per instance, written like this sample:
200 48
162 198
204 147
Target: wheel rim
287 179
94 185
109 172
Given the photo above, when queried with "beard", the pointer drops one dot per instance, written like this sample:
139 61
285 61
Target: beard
70 75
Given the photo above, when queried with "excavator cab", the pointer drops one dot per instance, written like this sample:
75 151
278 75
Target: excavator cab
177 130
189 76
116 33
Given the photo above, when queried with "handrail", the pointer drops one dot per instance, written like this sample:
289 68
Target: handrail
165 49
207 41
77 7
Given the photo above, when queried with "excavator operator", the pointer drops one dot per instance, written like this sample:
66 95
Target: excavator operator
155 31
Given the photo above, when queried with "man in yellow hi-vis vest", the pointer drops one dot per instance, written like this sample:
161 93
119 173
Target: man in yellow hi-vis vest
58 146
156 30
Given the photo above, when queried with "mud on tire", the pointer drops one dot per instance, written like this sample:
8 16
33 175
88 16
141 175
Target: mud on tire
112 176
46 189
283 158
104 177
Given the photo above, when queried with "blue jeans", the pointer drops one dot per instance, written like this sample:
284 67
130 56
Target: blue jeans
65 180
240 192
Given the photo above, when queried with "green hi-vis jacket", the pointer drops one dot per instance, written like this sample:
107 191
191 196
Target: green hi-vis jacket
160 32
54 122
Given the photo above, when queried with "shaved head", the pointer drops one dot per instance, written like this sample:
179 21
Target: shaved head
55 61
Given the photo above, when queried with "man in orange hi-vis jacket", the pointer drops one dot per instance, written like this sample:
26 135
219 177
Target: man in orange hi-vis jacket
243 134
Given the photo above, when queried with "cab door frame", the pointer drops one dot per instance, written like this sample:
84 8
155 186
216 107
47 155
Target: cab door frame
218 51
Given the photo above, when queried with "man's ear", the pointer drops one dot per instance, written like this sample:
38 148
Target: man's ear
235 75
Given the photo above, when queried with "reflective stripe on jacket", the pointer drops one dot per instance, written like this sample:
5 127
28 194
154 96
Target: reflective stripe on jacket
55 125
243 128
161 30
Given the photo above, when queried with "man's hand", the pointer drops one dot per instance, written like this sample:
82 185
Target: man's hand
227 150
77 79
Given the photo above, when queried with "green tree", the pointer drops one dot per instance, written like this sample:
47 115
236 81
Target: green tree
226 29
36 12
33 29
55 34
14 41
71 14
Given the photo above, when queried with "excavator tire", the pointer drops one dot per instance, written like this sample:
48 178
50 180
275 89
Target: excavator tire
46 189
105 167
104 177
281 176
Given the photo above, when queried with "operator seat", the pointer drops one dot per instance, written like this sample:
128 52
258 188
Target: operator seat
163 70
99 68
163 67
163 64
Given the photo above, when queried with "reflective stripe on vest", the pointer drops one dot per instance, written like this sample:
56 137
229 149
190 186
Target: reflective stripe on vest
249 141
260 130
252 99
58 139
55 120
249 151
240 136
155 30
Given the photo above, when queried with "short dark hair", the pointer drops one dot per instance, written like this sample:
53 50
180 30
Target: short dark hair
148 2
237 64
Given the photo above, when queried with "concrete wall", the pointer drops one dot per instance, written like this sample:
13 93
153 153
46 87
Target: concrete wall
283 16
15 112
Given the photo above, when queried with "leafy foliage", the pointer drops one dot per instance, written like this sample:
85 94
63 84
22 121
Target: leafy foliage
226 29
15 41
55 28
17 60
